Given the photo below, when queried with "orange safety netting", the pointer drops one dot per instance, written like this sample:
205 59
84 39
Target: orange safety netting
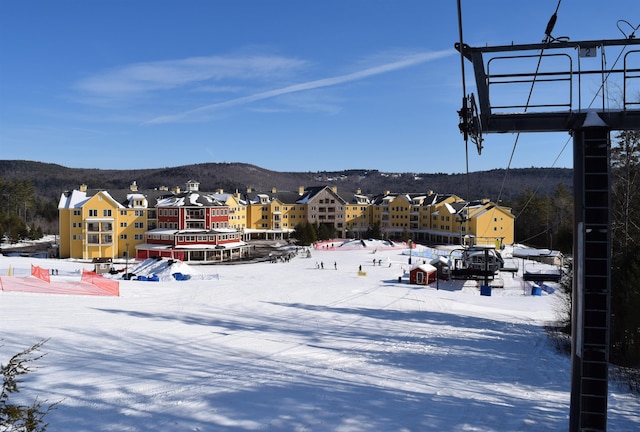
91 284
40 273
108 285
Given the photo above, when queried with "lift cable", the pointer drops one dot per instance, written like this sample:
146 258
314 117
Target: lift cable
624 47
466 118
464 97
627 36
465 111
548 39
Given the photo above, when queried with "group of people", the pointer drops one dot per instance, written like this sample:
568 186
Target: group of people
320 265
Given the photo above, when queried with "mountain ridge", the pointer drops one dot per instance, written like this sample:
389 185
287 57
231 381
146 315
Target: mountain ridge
50 180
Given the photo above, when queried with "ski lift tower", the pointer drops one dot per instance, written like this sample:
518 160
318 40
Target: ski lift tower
564 70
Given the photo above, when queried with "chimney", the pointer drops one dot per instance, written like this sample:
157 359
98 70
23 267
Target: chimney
358 191
300 190
273 190
83 187
334 189
176 190
134 187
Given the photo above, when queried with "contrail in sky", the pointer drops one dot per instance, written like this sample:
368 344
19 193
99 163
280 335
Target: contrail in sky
310 85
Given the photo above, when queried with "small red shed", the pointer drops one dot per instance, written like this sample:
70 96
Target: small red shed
422 274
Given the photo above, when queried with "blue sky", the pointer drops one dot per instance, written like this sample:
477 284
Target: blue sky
285 85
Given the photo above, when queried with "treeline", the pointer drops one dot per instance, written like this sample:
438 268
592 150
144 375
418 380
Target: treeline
50 180
544 221
625 249
306 233
24 215
625 235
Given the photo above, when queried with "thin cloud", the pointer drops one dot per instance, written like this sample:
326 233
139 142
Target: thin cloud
405 62
140 78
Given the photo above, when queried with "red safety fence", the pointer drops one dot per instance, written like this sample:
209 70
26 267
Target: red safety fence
91 284
40 273
111 287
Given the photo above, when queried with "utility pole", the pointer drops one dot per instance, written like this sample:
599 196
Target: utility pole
126 257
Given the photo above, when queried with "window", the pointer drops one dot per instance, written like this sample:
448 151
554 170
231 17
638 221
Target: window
77 212
93 213
139 224
123 236
106 212
139 237
123 224
123 212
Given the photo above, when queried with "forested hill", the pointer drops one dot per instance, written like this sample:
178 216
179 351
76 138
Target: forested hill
50 180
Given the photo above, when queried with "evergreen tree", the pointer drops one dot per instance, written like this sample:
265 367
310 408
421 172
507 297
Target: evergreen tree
625 290
374 231
16 417
562 210
311 233
324 233
532 222
305 234
19 207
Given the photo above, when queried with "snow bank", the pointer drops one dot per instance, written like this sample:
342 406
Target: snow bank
164 270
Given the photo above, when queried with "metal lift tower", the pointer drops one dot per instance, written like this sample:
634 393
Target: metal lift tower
569 67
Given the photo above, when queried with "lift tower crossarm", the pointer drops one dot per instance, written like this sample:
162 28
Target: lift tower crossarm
551 120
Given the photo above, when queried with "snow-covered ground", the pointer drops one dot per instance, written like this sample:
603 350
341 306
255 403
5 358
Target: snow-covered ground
289 347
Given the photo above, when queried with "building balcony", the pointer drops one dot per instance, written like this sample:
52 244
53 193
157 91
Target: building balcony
99 228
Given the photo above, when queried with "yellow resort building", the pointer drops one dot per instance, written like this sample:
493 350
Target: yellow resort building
98 224
95 224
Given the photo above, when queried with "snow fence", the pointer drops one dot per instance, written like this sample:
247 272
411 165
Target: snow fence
40 282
